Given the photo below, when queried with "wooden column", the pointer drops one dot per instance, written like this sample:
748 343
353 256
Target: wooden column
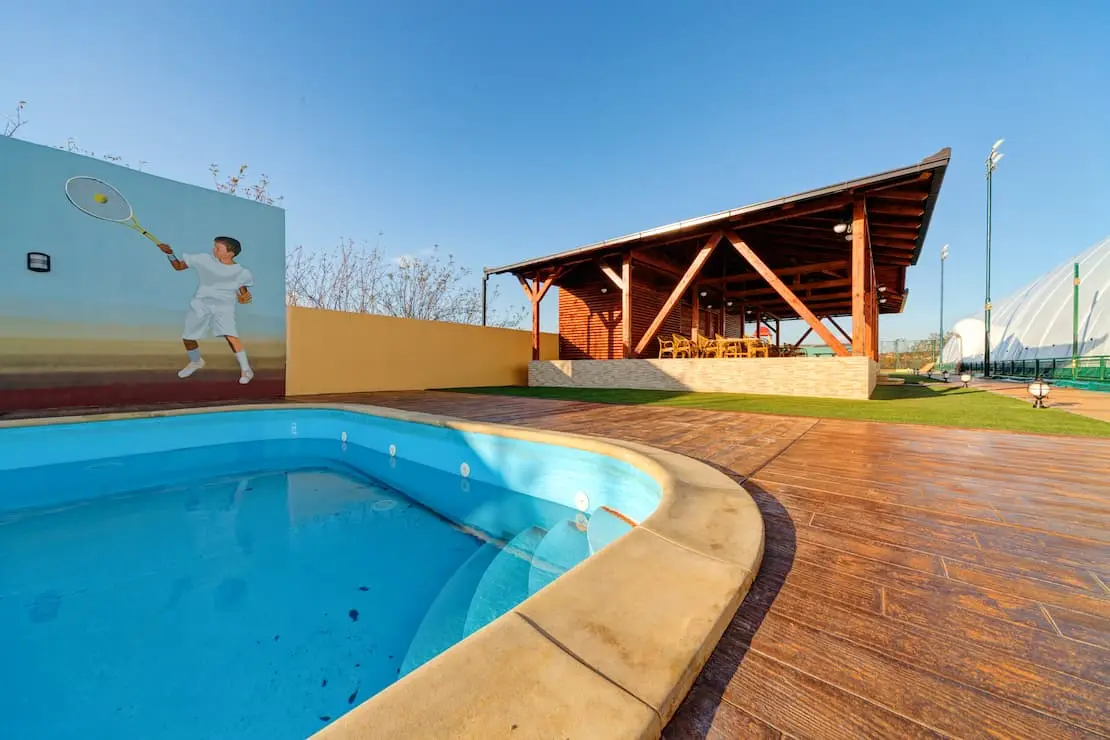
861 270
743 320
626 305
535 292
695 318
874 292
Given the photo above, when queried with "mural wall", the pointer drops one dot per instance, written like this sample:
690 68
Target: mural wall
120 287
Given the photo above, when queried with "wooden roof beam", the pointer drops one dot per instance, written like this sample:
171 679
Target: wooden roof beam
886 209
796 287
658 264
782 272
786 294
684 282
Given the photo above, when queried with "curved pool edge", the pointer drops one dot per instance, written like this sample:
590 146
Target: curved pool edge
611 647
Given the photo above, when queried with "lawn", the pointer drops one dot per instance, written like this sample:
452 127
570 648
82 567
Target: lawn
920 401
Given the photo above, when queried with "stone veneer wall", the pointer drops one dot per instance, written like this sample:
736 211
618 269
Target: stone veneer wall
822 377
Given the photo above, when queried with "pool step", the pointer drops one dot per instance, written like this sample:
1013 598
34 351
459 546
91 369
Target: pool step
606 525
505 582
445 621
563 547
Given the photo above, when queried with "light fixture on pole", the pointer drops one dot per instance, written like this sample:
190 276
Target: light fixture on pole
940 336
993 159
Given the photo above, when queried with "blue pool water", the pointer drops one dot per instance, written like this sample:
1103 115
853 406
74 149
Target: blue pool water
258 574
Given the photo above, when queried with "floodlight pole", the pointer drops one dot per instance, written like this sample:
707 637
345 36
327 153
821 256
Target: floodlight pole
992 162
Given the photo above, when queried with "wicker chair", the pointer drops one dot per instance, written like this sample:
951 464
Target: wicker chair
682 346
666 347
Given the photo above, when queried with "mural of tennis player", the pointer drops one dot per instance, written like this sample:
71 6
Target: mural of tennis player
221 283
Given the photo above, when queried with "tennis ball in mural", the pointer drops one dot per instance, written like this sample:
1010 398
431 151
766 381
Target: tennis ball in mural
100 198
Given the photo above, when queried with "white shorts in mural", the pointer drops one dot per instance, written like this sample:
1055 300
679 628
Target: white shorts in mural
209 318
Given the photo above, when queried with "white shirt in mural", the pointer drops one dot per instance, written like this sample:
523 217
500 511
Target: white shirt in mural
217 280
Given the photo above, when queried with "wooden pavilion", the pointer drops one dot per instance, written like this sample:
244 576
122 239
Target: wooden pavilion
833 252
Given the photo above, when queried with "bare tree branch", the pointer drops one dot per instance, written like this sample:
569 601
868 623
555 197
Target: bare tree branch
257 191
350 278
14 122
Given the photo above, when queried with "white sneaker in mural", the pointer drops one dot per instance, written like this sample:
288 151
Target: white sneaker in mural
189 369
246 377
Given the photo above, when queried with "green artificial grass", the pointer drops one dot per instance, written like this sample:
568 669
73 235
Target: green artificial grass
920 401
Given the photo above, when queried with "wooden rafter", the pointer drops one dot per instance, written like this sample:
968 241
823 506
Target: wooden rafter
896 210
796 287
683 283
610 273
909 196
783 272
787 295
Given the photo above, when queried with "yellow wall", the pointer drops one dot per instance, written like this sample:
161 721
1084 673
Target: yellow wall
336 352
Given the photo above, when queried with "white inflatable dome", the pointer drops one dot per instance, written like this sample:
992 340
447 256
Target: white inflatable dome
1036 321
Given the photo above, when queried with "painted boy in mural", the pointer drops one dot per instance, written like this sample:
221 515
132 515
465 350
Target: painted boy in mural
221 283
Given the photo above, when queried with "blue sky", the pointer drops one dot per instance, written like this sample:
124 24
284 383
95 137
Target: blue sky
506 130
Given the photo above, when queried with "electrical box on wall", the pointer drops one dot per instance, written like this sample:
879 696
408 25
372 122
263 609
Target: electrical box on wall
38 262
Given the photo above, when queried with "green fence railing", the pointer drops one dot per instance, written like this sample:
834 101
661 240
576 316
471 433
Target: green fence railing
1095 369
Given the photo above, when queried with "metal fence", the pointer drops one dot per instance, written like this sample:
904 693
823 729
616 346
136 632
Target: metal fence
1094 368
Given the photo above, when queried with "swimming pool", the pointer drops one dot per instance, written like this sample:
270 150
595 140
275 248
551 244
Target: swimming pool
258 573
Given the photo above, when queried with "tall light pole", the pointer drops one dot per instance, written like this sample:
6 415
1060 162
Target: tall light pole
940 337
992 162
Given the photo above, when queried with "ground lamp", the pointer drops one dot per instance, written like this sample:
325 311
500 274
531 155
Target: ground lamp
1038 389
965 378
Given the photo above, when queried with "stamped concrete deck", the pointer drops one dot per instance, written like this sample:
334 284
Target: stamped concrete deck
917 581
1095 404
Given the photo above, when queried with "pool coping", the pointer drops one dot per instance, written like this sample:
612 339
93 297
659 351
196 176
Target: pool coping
610 648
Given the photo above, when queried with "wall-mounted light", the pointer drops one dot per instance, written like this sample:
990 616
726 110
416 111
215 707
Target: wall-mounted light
840 228
882 288
730 304
38 262
703 294
604 289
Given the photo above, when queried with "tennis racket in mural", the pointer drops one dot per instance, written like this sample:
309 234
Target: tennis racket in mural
98 199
